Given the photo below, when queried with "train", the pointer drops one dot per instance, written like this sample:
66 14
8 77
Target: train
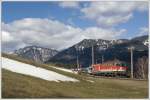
107 70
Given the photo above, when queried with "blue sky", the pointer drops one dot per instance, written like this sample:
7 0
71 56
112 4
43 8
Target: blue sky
79 18
19 10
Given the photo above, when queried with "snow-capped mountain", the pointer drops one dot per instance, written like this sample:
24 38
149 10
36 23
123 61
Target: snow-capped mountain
143 39
86 43
146 42
100 43
36 53
109 49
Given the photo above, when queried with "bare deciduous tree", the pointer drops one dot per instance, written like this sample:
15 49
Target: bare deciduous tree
141 70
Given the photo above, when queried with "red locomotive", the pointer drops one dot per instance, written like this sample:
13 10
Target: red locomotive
107 70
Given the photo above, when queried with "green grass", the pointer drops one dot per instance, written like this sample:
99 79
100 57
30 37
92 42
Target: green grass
21 86
46 66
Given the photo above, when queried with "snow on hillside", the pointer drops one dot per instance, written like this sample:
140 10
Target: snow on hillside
66 70
26 69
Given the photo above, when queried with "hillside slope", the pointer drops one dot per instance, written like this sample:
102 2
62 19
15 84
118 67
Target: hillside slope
23 86
34 71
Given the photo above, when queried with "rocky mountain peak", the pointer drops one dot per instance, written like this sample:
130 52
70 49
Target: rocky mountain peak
36 53
109 49
100 43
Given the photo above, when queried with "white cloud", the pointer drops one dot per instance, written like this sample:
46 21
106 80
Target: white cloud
101 33
7 37
143 31
49 33
69 4
112 13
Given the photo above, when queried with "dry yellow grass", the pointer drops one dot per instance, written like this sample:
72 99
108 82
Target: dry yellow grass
21 86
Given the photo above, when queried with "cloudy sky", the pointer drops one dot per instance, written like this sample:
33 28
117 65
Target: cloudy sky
60 25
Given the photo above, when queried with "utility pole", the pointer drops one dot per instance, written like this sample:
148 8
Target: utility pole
77 58
131 62
102 59
77 61
131 51
96 61
92 55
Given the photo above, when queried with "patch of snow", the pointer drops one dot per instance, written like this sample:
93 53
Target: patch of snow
24 51
10 52
66 70
90 81
34 48
104 42
26 69
39 49
27 49
146 42
120 41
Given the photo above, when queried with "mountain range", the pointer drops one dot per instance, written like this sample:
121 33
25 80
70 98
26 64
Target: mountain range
36 53
108 49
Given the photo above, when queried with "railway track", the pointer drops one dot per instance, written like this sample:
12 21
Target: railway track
105 77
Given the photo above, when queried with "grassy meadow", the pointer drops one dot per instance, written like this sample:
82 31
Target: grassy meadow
21 86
